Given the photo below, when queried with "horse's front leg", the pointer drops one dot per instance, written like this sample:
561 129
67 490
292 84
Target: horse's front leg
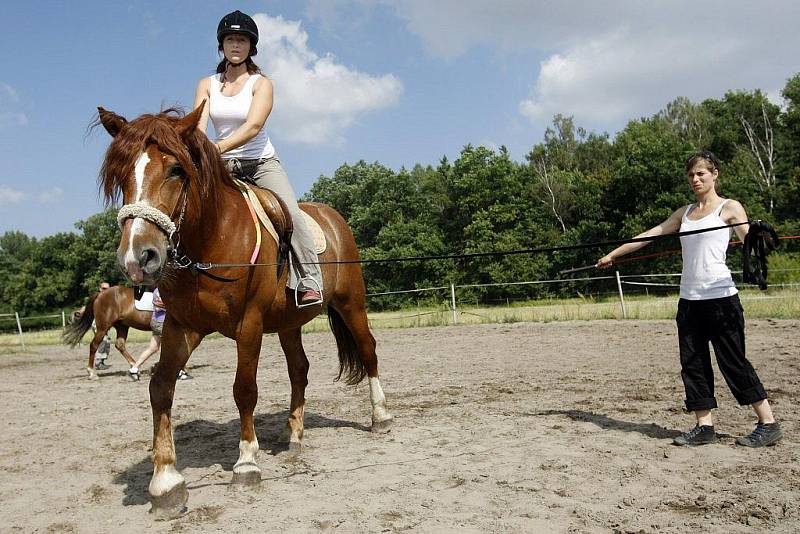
245 393
297 363
168 493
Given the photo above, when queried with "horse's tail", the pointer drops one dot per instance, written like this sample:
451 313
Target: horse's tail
350 363
80 324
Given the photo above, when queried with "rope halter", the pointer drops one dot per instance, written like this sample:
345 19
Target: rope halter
140 210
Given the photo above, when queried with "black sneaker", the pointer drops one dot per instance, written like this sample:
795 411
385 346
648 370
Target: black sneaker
183 375
764 435
102 366
699 435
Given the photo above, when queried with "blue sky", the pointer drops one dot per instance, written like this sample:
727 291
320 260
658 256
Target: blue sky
399 82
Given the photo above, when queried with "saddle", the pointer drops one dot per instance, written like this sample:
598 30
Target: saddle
267 208
143 300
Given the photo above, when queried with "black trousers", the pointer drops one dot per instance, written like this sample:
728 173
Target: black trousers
721 323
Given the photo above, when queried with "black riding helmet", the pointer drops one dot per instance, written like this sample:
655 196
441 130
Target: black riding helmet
238 22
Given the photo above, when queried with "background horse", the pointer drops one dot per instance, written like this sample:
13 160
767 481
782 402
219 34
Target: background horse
110 308
180 204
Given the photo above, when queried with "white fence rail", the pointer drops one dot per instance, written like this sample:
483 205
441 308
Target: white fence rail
19 320
621 280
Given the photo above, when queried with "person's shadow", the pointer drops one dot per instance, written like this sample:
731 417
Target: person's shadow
204 438
650 430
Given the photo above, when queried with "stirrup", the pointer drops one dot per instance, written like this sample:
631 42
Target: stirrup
302 283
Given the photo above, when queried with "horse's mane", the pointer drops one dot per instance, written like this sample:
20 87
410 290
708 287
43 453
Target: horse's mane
205 171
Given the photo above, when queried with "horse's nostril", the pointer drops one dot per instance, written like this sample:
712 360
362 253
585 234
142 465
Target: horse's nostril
148 256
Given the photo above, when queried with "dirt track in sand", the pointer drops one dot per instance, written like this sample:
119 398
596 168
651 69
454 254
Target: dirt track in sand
527 427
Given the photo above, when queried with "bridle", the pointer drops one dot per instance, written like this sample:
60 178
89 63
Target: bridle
140 210
177 256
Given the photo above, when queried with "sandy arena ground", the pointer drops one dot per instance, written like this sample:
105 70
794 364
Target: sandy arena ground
526 427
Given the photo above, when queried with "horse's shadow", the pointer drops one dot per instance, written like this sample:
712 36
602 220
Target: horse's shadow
605 422
202 443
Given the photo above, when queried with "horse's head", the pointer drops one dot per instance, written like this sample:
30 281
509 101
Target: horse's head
155 163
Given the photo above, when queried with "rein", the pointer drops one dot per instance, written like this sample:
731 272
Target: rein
760 240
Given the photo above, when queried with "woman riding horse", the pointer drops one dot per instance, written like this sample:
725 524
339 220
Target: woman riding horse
239 102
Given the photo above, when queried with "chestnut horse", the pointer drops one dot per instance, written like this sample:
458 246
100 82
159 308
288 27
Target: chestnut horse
112 308
180 203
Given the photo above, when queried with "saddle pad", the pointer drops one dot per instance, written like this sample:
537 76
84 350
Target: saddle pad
145 303
320 244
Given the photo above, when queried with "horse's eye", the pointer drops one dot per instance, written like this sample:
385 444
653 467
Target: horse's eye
176 171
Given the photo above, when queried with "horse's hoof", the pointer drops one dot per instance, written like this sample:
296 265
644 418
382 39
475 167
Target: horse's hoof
247 475
247 479
292 440
382 427
170 505
92 374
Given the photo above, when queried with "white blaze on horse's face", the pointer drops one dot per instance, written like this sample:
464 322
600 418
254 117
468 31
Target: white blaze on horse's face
138 225
143 246
138 174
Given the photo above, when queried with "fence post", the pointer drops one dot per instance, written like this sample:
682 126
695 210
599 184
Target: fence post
621 298
19 327
63 320
453 299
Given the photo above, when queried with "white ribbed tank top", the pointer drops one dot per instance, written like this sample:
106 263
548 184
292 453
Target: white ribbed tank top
705 274
228 113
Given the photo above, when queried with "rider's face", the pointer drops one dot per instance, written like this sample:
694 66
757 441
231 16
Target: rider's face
236 47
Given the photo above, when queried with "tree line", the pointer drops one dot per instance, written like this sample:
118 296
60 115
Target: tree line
573 187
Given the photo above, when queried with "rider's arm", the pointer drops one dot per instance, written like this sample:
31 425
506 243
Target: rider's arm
201 95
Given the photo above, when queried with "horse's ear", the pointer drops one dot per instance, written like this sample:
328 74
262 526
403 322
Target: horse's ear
112 122
187 124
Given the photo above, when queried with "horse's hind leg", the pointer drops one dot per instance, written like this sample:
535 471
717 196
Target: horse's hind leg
120 344
96 340
354 316
245 393
297 363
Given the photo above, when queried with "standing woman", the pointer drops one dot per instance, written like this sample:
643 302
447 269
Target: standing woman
239 101
709 309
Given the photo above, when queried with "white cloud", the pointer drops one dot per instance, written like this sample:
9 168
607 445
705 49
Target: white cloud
51 196
619 76
316 97
611 61
10 196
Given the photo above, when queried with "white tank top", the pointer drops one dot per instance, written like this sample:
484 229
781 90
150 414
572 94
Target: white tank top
228 113
705 275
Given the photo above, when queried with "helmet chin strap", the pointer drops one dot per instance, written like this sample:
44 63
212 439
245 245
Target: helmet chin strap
232 64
